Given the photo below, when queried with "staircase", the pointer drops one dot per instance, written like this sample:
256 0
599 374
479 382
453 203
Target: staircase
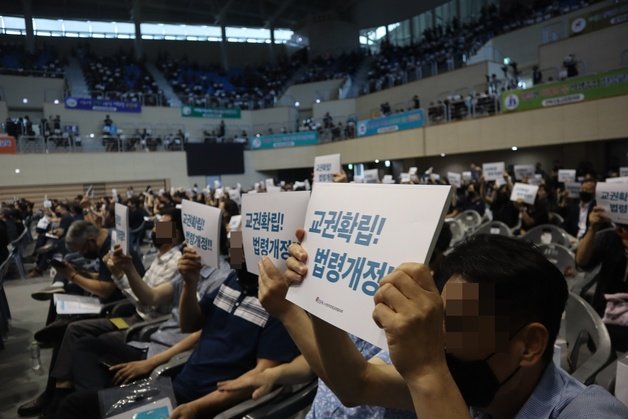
360 78
76 80
164 86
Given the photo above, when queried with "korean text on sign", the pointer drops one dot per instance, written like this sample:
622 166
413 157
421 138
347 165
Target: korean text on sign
613 197
362 229
201 229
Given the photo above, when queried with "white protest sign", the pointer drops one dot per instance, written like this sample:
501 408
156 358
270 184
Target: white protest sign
234 222
325 167
405 178
567 175
371 176
613 197
269 182
114 193
493 171
467 176
623 171
122 227
573 189
434 177
234 195
454 179
201 229
413 170
268 226
354 238
523 170
525 192
273 189
500 181
617 179
388 179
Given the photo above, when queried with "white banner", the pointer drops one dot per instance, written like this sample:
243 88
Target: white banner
122 227
371 176
455 179
567 175
493 171
523 170
325 167
268 226
525 192
201 229
573 189
354 237
613 197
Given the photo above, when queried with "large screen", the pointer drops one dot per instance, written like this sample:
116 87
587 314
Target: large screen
214 159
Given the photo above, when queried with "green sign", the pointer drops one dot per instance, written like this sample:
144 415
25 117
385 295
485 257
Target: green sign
573 90
284 140
196 112
599 19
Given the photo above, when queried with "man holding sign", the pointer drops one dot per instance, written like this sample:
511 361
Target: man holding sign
605 247
502 367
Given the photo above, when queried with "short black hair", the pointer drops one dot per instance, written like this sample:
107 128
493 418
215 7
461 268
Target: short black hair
527 287
175 214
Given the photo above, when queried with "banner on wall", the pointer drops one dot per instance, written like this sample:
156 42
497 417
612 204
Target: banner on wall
7 145
598 19
294 139
574 90
198 112
87 104
391 123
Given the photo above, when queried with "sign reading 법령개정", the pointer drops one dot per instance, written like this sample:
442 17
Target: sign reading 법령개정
268 226
325 167
525 192
493 171
613 197
354 238
122 227
201 229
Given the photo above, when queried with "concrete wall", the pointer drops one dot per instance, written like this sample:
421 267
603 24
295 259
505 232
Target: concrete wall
597 120
332 37
598 51
307 93
336 108
4 112
85 168
36 89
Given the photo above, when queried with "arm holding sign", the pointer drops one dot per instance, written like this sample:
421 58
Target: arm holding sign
102 289
354 380
585 251
190 315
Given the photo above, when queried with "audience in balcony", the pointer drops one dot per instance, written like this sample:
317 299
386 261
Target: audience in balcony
44 62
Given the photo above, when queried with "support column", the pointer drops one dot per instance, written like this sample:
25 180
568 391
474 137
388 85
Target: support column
28 22
273 57
223 48
136 17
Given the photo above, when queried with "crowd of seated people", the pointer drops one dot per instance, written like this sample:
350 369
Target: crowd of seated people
44 62
119 77
210 87
355 378
328 67
444 48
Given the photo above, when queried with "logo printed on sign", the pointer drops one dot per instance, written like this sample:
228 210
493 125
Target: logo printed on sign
511 102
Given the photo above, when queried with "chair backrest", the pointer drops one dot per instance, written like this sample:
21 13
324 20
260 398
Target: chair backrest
457 231
494 227
583 326
556 219
560 256
470 219
547 233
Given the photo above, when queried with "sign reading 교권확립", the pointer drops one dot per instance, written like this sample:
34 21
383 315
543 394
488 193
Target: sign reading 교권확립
573 90
354 237
613 197
201 229
197 112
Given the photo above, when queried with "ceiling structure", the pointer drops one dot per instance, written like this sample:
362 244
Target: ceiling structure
290 14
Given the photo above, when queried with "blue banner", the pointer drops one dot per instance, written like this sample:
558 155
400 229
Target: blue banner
284 140
87 104
391 123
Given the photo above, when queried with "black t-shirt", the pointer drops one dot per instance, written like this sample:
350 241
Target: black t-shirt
65 223
610 253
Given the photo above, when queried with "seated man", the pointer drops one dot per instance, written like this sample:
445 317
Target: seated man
237 338
126 277
504 305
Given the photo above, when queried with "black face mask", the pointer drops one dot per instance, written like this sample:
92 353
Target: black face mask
586 197
475 380
91 254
